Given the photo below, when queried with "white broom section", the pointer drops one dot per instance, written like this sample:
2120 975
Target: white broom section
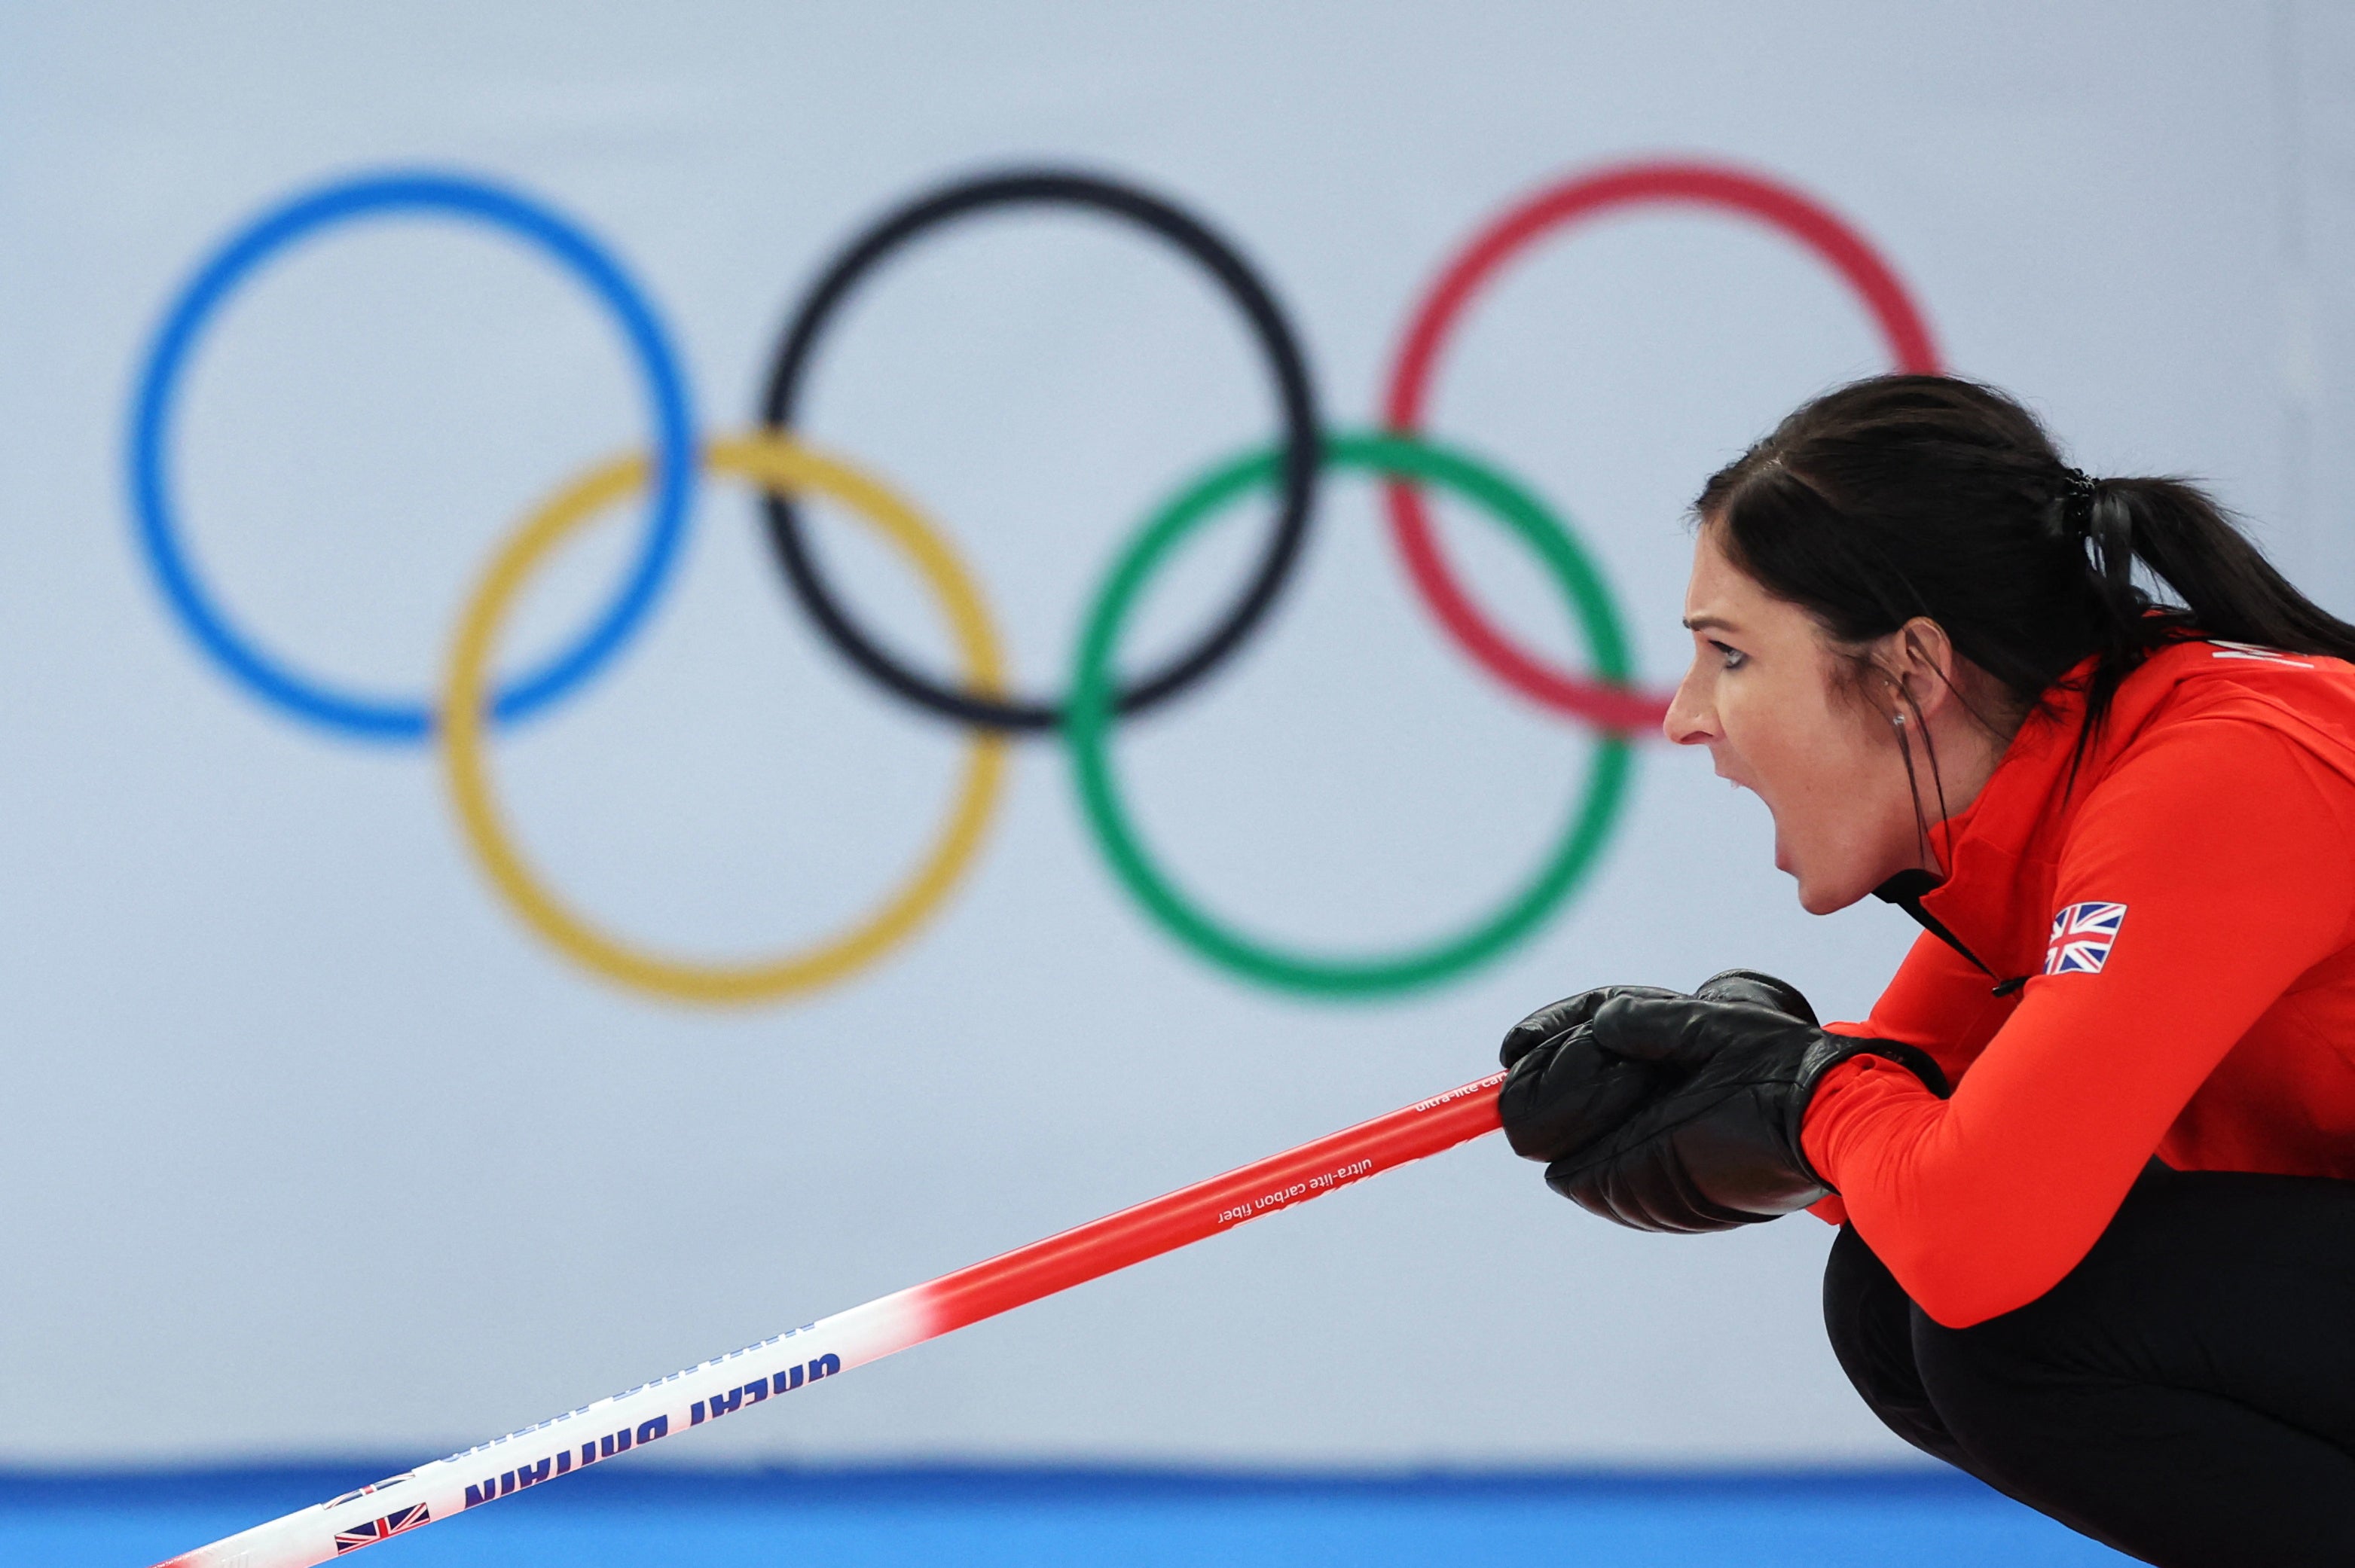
732 1384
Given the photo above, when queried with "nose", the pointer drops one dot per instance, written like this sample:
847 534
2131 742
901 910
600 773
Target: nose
1691 718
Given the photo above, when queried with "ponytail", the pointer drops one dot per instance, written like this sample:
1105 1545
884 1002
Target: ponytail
1905 495
2227 586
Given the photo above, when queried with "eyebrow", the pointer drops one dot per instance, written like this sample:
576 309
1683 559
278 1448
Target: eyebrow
1708 622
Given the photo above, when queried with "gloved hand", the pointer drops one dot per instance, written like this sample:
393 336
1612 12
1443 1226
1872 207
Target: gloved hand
1670 1113
1564 1091
1561 1094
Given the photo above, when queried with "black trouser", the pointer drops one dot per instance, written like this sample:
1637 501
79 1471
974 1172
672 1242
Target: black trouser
2186 1394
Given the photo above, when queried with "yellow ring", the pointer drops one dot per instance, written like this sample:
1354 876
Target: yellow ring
777 465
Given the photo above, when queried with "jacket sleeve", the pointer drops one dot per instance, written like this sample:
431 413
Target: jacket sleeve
2232 851
1936 1001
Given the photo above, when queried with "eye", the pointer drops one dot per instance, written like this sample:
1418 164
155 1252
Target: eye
1731 658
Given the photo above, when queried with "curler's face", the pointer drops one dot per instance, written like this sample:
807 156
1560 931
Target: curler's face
1777 705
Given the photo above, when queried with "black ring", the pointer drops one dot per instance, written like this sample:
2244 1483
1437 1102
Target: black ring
1301 455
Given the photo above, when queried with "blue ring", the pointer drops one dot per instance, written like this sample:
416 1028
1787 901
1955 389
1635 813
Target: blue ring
376 718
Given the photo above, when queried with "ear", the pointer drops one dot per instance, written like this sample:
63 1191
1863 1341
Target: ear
1916 670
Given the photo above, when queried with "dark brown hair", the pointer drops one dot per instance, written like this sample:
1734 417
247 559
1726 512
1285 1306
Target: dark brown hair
1930 495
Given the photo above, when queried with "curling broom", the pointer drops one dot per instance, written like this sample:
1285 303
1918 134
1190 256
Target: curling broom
732 1384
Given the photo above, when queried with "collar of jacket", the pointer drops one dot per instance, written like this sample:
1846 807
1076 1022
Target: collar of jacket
2001 851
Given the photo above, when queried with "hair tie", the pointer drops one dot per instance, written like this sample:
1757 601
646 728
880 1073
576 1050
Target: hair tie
2107 530
2074 504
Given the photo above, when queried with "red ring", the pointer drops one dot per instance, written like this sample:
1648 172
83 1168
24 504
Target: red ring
1588 196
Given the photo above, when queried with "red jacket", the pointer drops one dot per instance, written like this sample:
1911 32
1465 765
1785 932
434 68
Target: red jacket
2186 912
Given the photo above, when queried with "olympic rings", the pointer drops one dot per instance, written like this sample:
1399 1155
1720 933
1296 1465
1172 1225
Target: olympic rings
265 672
1189 235
981 700
775 464
1090 720
1560 206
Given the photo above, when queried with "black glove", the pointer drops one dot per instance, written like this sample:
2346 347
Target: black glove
1687 1109
1561 1094
1564 1091
1722 1147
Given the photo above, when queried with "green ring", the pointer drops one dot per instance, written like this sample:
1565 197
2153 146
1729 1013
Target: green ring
1089 726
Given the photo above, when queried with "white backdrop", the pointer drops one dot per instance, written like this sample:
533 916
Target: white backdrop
310 1145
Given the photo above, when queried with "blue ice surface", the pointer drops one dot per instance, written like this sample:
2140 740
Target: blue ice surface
1039 1518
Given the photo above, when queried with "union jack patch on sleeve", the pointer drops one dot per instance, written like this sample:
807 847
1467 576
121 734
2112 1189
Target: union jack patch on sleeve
2082 934
369 1532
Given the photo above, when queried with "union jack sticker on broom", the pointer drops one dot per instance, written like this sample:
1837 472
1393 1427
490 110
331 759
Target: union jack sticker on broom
367 1533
